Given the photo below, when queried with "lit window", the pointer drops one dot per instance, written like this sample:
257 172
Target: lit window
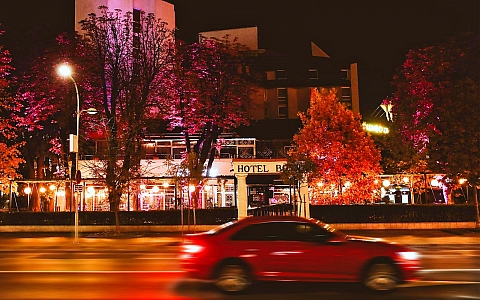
270 75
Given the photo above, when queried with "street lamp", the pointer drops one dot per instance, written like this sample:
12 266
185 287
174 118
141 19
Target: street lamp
64 70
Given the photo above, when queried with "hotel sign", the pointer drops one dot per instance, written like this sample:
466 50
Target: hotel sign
262 167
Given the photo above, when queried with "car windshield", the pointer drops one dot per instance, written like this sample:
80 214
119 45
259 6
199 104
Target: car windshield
324 226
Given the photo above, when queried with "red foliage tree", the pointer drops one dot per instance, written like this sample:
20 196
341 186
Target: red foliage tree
213 88
345 158
436 106
132 60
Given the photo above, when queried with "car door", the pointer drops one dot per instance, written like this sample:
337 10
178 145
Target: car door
325 257
271 250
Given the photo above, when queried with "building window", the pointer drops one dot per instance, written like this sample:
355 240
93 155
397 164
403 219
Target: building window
346 93
265 104
313 74
282 112
243 70
136 27
346 97
282 103
282 93
270 75
281 74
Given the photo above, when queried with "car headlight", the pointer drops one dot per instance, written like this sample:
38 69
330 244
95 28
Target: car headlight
409 255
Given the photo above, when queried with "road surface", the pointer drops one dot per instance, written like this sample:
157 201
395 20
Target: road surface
134 268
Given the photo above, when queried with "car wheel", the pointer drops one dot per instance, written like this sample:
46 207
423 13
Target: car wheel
232 278
381 277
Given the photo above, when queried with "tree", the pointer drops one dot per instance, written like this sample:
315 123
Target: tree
10 156
132 58
213 88
45 114
435 106
295 173
345 158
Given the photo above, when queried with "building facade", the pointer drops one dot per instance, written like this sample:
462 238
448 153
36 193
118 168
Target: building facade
246 172
162 9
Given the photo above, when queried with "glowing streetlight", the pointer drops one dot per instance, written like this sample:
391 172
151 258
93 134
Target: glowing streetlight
65 71
28 191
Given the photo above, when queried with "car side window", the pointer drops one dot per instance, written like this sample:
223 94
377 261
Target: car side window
306 232
282 231
258 232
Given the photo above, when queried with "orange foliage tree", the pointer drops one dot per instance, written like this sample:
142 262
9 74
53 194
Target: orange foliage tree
10 156
346 160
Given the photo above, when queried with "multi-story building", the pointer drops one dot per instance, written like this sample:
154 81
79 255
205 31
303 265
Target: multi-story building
160 8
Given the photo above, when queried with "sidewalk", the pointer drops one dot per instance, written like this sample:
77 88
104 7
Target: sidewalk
148 241
456 237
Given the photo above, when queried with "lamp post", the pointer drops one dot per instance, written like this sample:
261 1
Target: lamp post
65 71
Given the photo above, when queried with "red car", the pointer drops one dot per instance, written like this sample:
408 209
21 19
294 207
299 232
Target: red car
278 248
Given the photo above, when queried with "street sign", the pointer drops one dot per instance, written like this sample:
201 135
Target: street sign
78 188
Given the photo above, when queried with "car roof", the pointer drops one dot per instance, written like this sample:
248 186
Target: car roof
283 218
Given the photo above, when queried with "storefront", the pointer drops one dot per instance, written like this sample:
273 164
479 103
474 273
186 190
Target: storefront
259 183
244 183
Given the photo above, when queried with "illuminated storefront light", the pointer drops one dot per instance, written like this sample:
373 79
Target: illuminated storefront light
375 128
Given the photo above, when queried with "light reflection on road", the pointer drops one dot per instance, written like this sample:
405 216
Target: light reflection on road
145 270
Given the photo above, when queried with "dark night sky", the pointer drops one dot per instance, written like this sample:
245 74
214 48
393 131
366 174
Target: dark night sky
375 33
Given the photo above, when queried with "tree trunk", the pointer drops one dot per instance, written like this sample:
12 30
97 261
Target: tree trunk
114 199
475 195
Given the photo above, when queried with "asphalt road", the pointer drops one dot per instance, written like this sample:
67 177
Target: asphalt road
53 267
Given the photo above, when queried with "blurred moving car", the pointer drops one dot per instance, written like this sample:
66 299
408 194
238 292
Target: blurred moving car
279 248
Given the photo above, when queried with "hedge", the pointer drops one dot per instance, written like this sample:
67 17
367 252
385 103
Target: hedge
393 213
326 213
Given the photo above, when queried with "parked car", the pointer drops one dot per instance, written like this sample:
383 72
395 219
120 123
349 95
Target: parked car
278 248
